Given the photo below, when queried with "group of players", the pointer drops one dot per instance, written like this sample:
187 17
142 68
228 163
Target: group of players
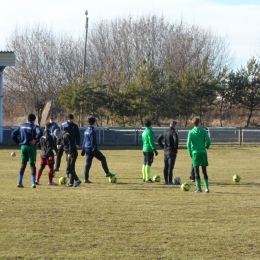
67 139
198 142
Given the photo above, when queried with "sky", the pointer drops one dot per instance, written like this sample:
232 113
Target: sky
236 20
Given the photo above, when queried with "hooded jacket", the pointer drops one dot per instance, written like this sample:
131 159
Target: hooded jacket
46 144
148 140
171 141
198 140
90 141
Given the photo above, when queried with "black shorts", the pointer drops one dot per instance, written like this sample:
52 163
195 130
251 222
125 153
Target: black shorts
148 158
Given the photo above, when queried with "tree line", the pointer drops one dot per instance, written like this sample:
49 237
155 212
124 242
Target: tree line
136 68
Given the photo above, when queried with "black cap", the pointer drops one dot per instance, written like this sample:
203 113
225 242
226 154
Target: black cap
148 123
31 117
70 116
91 120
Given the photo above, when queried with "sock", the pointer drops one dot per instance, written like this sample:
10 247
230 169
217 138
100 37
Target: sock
143 171
148 172
50 175
20 179
33 179
198 184
39 174
206 184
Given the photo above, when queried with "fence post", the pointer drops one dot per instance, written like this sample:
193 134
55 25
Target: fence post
136 136
241 136
101 137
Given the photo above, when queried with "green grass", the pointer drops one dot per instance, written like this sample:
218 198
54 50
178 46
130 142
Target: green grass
132 219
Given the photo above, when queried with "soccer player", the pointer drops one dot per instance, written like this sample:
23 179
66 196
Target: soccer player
29 134
53 128
46 145
170 146
73 130
149 150
197 143
89 147
70 149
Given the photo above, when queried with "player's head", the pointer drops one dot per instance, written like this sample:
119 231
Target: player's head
57 133
48 126
148 123
51 120
173 124
196 122
31 117
70 118
91 120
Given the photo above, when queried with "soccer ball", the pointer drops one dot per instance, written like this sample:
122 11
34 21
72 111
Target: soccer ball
177 181
112 179
13 154
236 178
156 178
62 180
185 187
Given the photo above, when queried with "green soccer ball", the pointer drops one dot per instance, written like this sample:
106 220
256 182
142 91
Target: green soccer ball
112 179
62 181
236 178
156 178
185 187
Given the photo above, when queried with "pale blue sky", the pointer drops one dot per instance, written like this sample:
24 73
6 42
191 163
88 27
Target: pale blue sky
237 20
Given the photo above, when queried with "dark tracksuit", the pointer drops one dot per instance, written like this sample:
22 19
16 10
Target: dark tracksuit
73 130
46 144
170 146
89 146
69 147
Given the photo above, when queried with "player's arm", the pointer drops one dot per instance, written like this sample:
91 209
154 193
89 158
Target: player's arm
159 140
151 141
208 140
15 135
189 145
77 136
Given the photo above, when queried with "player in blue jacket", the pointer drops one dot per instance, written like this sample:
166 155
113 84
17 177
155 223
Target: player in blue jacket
29 134
53 128
89 147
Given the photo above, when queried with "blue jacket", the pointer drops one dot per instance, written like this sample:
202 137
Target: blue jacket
27 132
90 141
53 128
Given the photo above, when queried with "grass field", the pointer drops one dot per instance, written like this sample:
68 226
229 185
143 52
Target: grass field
132 219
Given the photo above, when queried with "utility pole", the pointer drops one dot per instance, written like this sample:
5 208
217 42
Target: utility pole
86 38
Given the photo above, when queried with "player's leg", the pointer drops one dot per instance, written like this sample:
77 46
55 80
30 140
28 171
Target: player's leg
196 162
73 174
166 169
143 168
89 159
149 161
192 174
40 170
171 162
24 159
197 179
50 163
58 159
32 160
103 160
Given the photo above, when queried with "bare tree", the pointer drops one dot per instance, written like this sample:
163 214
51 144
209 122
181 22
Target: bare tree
45 63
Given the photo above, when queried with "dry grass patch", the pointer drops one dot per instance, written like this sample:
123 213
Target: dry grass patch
132 219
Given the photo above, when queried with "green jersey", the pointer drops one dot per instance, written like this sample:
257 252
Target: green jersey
198 140
148 140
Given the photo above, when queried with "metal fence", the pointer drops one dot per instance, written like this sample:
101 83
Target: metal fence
133 136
